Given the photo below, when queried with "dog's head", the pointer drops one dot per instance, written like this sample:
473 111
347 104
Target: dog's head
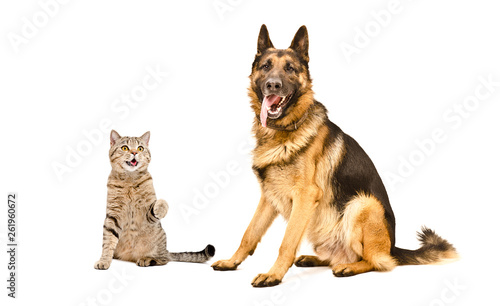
280 83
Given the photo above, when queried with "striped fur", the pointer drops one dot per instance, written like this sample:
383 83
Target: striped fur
132 230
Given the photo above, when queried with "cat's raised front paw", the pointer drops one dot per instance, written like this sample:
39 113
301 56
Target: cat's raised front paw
160 209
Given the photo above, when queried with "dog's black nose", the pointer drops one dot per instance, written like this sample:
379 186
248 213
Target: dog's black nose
274 84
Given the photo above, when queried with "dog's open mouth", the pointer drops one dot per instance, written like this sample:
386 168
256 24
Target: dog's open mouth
132 163
272 107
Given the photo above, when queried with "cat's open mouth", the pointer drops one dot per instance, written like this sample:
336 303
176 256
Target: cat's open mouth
132 163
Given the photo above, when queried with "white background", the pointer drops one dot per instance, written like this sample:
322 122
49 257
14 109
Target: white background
63 81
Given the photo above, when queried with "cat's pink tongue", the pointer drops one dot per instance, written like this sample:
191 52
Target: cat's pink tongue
266 104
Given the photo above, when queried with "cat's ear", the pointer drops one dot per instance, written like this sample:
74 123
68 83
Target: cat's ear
114 137
145 137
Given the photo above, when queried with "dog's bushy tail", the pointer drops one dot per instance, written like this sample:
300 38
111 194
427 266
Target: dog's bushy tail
433 250
201 256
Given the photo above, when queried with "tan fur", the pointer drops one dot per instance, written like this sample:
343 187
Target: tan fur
301 161
301 106
301 193
301 167
310 261
365 235
133 212
262 219
132 230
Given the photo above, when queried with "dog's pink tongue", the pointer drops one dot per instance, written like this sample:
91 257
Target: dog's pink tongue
267 103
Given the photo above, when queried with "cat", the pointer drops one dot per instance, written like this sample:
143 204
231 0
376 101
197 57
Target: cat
132 230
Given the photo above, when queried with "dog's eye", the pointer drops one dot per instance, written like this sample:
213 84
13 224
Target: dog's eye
290 69
140 148
265 67
124 148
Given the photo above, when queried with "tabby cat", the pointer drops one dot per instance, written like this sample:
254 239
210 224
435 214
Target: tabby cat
132 228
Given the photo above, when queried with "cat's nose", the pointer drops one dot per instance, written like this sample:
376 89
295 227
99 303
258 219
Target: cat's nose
133 152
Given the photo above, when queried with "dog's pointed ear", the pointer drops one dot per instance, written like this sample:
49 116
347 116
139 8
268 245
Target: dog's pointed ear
264 42
300 43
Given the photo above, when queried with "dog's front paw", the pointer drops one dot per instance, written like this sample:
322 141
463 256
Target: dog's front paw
102 264
160 209
266 280
224 265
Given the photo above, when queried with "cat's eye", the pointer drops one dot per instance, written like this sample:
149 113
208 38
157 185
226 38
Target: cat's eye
140 148
124 148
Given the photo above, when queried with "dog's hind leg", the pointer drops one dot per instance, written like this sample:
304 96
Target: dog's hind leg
373 239
310 261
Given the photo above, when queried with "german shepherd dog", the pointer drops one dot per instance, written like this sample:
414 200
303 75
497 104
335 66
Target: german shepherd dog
318 178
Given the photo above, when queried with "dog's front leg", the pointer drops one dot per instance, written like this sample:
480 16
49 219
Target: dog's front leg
262 219
304 204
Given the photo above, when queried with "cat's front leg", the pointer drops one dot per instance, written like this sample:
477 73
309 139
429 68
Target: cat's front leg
158 210
111 234
161 208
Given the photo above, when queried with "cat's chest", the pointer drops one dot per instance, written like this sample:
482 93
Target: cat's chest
131 192
136 196
132 197
135 208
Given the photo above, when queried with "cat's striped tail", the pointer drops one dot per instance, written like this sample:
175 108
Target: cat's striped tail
201 256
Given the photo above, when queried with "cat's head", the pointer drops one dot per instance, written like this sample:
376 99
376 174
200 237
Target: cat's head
129 154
